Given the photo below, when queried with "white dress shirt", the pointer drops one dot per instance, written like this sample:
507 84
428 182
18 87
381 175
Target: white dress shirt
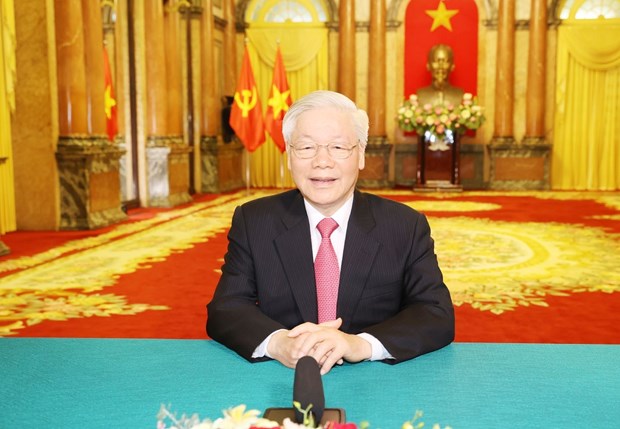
341 216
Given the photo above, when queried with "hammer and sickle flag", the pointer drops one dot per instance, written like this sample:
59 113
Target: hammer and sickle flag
246 115
278 103
111 115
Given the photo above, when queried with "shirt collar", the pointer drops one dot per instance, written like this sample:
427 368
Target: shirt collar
341 216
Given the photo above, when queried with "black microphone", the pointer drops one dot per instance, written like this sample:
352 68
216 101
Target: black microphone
308 389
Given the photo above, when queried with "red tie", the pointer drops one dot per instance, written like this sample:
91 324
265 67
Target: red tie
326 272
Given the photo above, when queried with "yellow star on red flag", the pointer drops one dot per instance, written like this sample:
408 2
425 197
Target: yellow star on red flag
278 100
109 101
441 16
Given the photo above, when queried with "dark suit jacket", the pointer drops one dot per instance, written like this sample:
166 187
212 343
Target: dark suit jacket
390 283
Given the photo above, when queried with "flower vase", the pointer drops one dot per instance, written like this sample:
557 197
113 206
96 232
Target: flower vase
439 142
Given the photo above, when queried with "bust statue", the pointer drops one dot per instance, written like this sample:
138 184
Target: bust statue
440 64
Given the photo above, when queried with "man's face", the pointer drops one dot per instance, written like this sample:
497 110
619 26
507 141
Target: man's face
440 65
324 181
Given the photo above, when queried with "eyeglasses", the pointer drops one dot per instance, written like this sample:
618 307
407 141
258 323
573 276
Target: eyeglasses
335 150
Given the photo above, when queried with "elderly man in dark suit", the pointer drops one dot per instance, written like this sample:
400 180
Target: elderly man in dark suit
372 290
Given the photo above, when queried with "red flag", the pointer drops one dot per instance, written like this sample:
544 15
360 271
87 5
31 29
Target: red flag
449 22
246 115
278 103
110 99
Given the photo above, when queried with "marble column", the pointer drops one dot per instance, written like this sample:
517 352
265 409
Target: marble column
536 73
88 166
174 85
116 42
522 166
4 249
376 71
210 105
117 62
166 153
230 48
71 76
378 152
221 164
156 97
35 169
93 56
504 73
346 49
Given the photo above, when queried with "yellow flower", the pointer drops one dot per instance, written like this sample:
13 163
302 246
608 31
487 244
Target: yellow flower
240 416
407 425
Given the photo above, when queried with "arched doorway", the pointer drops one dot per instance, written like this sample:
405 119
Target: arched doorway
299 28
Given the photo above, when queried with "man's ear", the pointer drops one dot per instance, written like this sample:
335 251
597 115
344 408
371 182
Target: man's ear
362 160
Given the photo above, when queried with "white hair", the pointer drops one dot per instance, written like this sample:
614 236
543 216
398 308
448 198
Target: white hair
326 99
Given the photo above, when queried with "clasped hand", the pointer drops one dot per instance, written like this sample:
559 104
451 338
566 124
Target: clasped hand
325 342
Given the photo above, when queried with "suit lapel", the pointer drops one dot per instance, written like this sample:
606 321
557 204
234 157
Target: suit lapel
295 250
360 250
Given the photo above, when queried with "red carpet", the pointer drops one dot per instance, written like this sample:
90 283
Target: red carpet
185 280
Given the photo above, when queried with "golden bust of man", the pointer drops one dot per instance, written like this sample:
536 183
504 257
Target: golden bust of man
440 63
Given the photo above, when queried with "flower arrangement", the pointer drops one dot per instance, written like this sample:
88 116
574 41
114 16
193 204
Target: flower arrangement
239 418
441 119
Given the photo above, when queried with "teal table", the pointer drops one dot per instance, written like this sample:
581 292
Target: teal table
103 383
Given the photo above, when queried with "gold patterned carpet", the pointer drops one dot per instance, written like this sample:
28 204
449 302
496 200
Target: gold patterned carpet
499 252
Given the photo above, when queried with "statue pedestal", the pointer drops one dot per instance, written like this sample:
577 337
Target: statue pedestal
376 171
222 165
90 195
4 250
438 167
168 167
517 167
471 165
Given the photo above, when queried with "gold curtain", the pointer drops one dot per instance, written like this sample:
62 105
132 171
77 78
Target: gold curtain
304 50
586 148
7 104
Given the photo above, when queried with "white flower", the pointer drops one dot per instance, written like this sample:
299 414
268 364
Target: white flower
289 424
265 423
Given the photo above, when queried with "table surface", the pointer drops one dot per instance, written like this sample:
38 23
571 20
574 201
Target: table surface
105 383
